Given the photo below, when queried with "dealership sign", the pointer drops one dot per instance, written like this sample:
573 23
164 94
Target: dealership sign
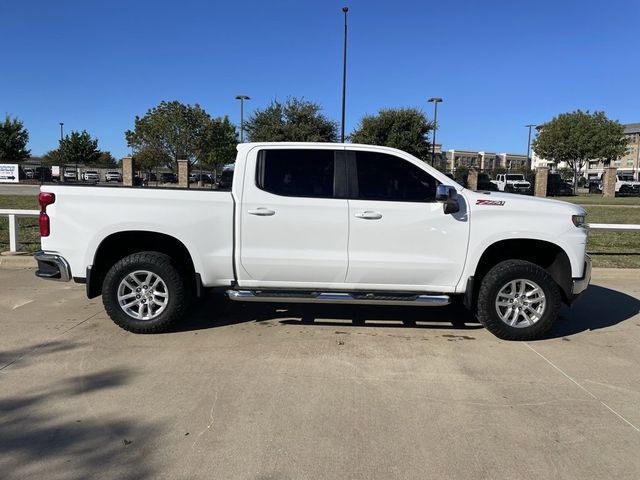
9 173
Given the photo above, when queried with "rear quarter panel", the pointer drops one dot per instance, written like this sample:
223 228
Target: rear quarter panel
82 217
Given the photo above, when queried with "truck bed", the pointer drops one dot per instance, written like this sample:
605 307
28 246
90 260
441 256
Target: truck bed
85 216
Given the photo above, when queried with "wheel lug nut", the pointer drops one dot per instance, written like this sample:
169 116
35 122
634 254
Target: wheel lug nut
137 296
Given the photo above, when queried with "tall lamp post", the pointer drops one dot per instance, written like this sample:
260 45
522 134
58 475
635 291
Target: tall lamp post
344 73
530 126
242 98
61 167
435 101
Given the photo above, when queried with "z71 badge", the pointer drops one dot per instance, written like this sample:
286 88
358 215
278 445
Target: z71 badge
494 203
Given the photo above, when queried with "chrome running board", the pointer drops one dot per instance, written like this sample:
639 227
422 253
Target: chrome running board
354 298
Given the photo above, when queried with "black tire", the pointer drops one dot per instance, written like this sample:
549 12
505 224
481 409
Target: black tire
496 279
161 265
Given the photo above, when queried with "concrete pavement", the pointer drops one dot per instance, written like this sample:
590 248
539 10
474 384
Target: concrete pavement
277 392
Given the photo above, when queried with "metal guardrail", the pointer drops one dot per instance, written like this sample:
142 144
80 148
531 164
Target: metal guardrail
13 214
14 238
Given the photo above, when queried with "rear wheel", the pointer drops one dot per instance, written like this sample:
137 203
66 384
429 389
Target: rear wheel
518 300
145 293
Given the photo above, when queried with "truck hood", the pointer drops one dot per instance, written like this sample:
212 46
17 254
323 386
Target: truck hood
510 201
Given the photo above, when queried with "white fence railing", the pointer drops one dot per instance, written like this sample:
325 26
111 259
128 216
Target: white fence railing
14 231
615 227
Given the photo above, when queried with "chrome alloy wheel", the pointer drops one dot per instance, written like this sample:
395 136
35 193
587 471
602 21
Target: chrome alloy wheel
143 295
520 303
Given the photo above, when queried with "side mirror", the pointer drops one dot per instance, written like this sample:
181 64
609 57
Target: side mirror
448 196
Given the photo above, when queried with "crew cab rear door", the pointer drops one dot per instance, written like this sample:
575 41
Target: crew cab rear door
294 223
400 238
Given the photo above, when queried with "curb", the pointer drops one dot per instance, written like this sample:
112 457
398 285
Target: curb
17 262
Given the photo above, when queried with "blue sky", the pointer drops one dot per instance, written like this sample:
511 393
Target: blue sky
498 65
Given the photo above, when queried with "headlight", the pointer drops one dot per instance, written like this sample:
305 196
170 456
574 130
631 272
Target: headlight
579 221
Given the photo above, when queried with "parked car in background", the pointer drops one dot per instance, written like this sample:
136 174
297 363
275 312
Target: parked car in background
201 177
29 172
168 177
512 182
485 183
625 185
69 174
225 179
113 176
556 186
91 176
43 174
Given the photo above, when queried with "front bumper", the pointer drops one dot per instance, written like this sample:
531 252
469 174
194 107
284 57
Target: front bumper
581 284
52 267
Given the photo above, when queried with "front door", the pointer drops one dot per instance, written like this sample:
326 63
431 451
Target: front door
293 228
400 238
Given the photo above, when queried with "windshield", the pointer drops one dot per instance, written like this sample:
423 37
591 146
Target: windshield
515 177
626 178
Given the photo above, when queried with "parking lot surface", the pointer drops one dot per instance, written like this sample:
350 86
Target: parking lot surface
277 392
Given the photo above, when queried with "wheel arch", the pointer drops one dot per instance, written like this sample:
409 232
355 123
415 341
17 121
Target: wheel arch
548 255
120 244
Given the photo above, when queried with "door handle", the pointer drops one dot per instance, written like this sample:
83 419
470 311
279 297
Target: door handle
369 215
261 211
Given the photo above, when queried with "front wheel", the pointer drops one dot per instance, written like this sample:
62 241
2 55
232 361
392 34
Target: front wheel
518 300
145 293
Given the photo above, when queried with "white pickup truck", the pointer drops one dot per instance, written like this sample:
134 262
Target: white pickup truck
512 182
316 222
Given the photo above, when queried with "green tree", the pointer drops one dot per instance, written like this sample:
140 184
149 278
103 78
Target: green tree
107 160
176 129
403 128
149 159
578 137
295 120
13 141
75 148
219 143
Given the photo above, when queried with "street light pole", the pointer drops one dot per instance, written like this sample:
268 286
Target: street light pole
529 145
61 167
435 101
242 98
344 73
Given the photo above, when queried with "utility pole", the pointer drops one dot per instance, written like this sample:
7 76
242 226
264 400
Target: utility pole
242 98
344 73
529 145
435 101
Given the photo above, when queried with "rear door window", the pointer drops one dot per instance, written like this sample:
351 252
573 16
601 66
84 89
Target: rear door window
297 172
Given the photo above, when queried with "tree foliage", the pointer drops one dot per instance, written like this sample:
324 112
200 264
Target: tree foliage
76 148
403 128
13 140
176 131
577 137
220 141
295 120
149 158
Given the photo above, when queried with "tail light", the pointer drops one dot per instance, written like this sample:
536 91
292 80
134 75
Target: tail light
45 199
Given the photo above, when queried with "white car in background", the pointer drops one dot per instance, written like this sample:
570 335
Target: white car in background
113 176
91 176
512 182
